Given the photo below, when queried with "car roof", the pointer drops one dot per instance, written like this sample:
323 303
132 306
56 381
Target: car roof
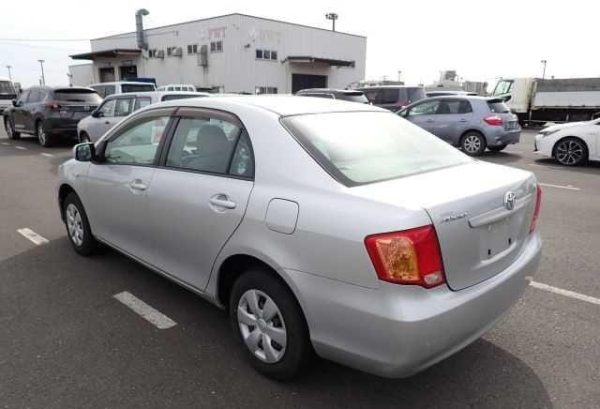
122 82
340 91
283 105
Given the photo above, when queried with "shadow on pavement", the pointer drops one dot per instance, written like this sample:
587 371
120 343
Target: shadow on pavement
67 343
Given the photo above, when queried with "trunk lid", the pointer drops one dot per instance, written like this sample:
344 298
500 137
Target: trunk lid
479 235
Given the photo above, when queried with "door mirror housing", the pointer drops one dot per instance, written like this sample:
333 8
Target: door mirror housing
97 114
403 113
84 152
15 103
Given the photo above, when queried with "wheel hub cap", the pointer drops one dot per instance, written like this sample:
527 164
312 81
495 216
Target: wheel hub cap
262 327
74 224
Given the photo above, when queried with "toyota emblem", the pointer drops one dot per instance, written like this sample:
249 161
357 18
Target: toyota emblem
509 200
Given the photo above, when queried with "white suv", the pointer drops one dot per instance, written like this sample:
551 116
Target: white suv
177 87
121 87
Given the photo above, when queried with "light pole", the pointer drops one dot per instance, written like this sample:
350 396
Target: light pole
8 67
42 65
332 17
544 62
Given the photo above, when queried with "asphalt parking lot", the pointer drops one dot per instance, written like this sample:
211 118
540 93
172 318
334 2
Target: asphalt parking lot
66 342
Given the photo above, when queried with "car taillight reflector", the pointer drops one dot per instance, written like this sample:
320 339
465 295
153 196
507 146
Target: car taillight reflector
493 120
52 105
536 210
407 257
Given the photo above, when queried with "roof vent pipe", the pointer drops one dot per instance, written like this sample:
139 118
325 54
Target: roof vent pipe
139 28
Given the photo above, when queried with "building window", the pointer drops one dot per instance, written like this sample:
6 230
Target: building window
192 49
216 46
265 90
266 54
170 50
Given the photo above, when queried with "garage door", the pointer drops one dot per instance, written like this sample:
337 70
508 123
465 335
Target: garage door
303 81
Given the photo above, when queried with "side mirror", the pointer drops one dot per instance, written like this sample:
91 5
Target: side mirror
403 113
15 103
97 114
84 152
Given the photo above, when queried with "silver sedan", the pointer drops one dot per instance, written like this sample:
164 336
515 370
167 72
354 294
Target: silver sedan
322 226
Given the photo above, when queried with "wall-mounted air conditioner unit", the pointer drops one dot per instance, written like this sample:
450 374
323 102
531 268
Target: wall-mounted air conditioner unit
177 52
203 56
159 54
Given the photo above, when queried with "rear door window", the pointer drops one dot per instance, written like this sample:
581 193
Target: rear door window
124 106
142 102
454 106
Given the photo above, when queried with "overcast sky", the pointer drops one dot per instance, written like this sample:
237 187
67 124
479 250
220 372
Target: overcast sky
482 39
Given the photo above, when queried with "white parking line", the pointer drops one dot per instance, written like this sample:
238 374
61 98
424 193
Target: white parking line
155 317
48 155
21 147
5 143
566 293
566 187
32 236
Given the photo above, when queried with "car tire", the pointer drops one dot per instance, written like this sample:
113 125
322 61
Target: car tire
84 137
78 226
9 126
290 351
473 143
497 148
43 137
570 152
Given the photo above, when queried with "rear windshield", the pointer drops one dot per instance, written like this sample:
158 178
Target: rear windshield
172 97
365 147
498 107
353 96
6 88
137 87
77 95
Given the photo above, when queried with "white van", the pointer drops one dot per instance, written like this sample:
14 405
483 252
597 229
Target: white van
122 87
177 87
7 93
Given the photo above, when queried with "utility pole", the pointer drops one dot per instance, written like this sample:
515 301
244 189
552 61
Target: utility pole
332 17
544 62
43 78
8 67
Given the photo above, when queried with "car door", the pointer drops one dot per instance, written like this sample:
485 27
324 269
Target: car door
199 195
423 114
100 123
17 112
29 109
117 187
452 119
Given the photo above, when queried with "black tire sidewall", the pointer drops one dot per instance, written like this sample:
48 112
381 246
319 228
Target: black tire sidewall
298 349
40 124
89 243
8 123
481 138
497 148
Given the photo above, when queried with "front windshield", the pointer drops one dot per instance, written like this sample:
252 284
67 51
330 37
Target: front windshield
503 87
365 147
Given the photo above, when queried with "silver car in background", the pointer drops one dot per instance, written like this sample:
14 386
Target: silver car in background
117 106
469 122
320 225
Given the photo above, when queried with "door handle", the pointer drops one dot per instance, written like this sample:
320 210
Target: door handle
222 201
429 120
464 120
137 184
106 123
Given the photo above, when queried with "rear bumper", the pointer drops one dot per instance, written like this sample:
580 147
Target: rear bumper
396 331
501 136
61 127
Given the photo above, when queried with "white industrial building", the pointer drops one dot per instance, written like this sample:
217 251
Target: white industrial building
230 53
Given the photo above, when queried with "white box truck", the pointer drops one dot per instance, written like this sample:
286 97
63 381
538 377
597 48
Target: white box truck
537 101
7 93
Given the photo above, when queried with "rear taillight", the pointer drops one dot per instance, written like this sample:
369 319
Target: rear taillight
493 120
407 257
536 210
52 105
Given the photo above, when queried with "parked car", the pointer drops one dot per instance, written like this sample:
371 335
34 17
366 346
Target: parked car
50 113
177 87
122 87
117 106
444 93
252 202
7 93
393 97
468 122
343 94
571 144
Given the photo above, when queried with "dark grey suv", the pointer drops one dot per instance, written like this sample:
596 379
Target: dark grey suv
50 113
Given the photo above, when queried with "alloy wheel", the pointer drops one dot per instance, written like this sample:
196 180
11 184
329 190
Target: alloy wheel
472 144
570 152
9 129
41 134
262 326
74 224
